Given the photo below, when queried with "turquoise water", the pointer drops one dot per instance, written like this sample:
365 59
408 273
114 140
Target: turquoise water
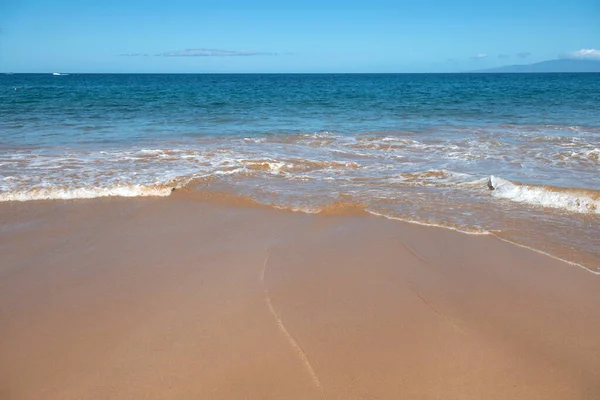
427 148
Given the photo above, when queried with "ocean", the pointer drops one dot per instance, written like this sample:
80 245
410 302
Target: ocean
511 155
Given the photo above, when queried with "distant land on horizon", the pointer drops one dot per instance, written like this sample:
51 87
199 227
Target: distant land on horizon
559 65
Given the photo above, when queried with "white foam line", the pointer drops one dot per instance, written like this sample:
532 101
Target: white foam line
84 193
547 254
488 233
410 221
297 349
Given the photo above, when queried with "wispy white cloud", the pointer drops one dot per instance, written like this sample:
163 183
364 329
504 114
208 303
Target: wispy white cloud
134 55
583 54
523 54
479 56
503 56
213 53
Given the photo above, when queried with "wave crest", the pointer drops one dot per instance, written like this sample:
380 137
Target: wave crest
69 193
574 200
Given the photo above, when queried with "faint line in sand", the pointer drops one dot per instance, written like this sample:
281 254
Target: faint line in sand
297 349
414 253
423 299
438 312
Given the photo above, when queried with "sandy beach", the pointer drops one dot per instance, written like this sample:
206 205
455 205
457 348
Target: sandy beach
212 297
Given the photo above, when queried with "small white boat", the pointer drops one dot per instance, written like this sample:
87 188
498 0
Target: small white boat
56 73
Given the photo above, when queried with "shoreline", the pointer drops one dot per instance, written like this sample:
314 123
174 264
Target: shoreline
193 189
489 233
179 296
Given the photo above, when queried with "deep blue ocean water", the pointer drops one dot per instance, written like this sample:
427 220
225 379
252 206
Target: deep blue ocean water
517 155
80 109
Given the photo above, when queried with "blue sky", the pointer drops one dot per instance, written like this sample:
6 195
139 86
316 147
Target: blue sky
292 36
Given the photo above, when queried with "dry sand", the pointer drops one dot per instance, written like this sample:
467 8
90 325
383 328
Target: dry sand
187 298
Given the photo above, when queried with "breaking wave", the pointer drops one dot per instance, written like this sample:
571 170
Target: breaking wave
574 200
68 193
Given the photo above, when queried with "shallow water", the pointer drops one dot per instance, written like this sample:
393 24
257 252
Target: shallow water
516 155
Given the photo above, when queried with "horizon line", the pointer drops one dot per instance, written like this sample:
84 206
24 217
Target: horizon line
482 72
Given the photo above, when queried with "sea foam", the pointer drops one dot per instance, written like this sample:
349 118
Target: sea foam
54 193
574 200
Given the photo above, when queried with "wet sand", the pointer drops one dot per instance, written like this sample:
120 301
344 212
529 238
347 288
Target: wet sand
185 297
